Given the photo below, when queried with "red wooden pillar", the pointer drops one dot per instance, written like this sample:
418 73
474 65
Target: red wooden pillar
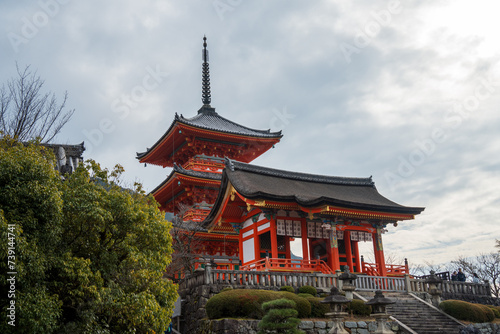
333 250
378 250
305 248
274 239
348 251
256 241
287 247
240 246
355 245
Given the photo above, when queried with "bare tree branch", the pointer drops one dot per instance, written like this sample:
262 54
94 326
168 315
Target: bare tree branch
27 113
486 266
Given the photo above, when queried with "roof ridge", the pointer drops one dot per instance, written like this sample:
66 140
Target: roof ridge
179 169
213 113
340 180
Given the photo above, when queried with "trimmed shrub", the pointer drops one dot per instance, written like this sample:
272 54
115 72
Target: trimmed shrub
488 312
495 309
280 317
318 309
303 305
467 311
359 307
304 295
247 303
308 289
287 288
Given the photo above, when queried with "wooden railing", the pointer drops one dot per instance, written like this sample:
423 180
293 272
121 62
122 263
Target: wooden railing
373 269
294 265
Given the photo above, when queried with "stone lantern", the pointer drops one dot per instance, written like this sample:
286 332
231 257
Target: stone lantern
337 303
347 279
378 304
434 284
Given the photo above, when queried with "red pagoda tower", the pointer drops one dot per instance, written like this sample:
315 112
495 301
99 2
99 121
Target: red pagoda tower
196 147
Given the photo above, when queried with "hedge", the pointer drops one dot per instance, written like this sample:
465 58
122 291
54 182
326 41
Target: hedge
318 309
495 309
308 289
247 303
359 307
467 311
287 288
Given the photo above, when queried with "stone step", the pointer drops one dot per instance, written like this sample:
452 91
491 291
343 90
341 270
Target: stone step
419 316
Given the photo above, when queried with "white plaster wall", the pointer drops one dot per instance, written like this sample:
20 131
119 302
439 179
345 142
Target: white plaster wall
248 250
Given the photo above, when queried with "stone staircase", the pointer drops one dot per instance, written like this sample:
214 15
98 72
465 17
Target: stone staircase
419 316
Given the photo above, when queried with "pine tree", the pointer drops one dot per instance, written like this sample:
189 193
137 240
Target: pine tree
280 318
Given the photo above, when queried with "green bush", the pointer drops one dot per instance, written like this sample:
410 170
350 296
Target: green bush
489 313
280 317
304 295
359 307
496 310
287 288
318 309
467 311
303 305
247 303
308 289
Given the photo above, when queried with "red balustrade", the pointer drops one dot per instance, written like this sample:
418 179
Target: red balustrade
294 265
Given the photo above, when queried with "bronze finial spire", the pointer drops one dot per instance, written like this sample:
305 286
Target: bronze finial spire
205 94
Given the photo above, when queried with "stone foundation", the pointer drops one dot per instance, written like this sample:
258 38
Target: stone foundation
485 328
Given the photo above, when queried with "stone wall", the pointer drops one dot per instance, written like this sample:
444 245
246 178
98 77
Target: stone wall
485 328
233 326
194 302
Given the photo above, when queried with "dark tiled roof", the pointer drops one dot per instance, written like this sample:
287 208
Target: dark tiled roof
180 170
308 190
203 175
208 119
353 181
71 150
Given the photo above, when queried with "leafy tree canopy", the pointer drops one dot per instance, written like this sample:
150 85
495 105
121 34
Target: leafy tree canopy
89 255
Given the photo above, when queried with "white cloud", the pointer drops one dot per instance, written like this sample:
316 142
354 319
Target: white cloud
352 118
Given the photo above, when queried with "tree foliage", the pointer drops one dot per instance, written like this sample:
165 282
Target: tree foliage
281 317
26 112
90 256
187 246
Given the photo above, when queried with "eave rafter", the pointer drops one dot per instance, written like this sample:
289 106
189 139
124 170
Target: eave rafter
185 140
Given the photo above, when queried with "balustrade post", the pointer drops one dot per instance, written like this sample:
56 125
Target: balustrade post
207 274
337 281
407 283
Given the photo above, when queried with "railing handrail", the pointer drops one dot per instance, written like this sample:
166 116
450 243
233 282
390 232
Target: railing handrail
325 281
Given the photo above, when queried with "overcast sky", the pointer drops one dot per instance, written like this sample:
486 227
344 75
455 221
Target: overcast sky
405 91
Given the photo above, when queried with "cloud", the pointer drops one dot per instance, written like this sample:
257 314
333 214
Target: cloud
414 71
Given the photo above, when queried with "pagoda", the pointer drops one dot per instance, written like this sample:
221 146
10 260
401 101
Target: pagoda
251 214
195 148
